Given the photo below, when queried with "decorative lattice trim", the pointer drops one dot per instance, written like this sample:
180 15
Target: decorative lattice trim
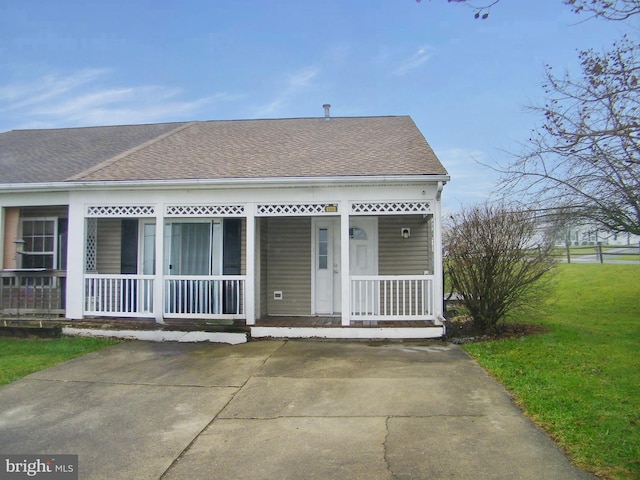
91 246
203 210
390 207
291 209
121 211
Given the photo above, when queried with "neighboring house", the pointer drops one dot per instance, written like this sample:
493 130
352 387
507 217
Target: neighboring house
272 225
585 234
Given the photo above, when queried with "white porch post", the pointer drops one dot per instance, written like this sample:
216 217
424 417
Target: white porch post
250 282
344 260
158 280
437 254
75 261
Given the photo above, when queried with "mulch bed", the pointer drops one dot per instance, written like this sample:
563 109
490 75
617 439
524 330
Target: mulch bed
463 330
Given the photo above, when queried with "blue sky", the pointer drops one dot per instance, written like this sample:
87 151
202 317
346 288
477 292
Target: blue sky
465 82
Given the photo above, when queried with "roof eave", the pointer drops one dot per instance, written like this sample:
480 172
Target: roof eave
223 183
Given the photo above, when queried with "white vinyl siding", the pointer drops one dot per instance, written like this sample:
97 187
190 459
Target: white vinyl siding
109 241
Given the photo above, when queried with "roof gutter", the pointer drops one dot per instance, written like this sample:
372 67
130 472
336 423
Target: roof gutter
289 182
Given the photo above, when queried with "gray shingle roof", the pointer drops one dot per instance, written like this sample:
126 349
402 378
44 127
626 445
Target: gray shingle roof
304 147
40 156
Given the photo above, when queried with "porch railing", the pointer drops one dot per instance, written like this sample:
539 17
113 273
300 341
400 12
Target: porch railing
392 297
118 295
218 296
31 292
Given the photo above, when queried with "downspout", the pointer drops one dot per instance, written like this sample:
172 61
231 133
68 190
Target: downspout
438 269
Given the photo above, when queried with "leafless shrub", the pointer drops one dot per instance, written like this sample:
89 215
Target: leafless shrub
497 261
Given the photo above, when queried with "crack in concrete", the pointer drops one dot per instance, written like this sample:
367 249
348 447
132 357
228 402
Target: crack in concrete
193 440
389 417
102 382
385 449
215 417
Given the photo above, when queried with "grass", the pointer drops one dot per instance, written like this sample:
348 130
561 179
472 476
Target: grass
581 381
20 356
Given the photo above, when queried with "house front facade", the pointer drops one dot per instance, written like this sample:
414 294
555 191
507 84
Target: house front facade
313 227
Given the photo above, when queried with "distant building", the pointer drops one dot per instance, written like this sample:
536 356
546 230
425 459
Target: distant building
585 234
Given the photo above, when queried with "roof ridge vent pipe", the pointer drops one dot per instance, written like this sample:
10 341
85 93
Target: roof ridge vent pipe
327 114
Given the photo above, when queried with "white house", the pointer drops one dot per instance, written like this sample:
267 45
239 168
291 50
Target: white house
318 227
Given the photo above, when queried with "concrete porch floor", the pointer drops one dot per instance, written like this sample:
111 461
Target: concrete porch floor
329 322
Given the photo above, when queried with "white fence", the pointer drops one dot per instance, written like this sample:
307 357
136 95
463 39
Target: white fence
118 295
379 297
184 296
220 296
392 297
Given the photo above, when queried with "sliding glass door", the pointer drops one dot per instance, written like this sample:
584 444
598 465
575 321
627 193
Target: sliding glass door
193 248
193 254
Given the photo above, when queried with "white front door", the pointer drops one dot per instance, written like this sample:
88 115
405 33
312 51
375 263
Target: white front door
363 249
326 262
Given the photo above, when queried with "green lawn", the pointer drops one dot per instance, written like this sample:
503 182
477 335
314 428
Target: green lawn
20 357
581 381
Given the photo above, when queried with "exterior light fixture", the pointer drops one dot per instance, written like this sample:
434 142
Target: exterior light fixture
19 246
331 208
405 232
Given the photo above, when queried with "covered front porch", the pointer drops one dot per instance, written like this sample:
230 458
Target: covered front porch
330 265
214 259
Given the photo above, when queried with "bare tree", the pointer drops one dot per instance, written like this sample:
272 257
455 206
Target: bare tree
586 155
608 9
481 10
497 262
585 158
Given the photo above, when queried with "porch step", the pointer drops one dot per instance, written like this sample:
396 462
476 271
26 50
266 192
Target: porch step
149 330
236 332
366 333
138 329
159 335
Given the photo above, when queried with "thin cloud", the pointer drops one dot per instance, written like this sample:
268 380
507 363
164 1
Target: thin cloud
48 87
295 85
422 55
471 182
80 99
461 162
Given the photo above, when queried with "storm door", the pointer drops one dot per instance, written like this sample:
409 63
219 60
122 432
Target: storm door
363 261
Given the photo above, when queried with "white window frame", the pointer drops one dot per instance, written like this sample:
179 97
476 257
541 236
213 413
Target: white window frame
53 253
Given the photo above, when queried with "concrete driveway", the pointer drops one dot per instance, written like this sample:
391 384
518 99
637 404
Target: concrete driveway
277 410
